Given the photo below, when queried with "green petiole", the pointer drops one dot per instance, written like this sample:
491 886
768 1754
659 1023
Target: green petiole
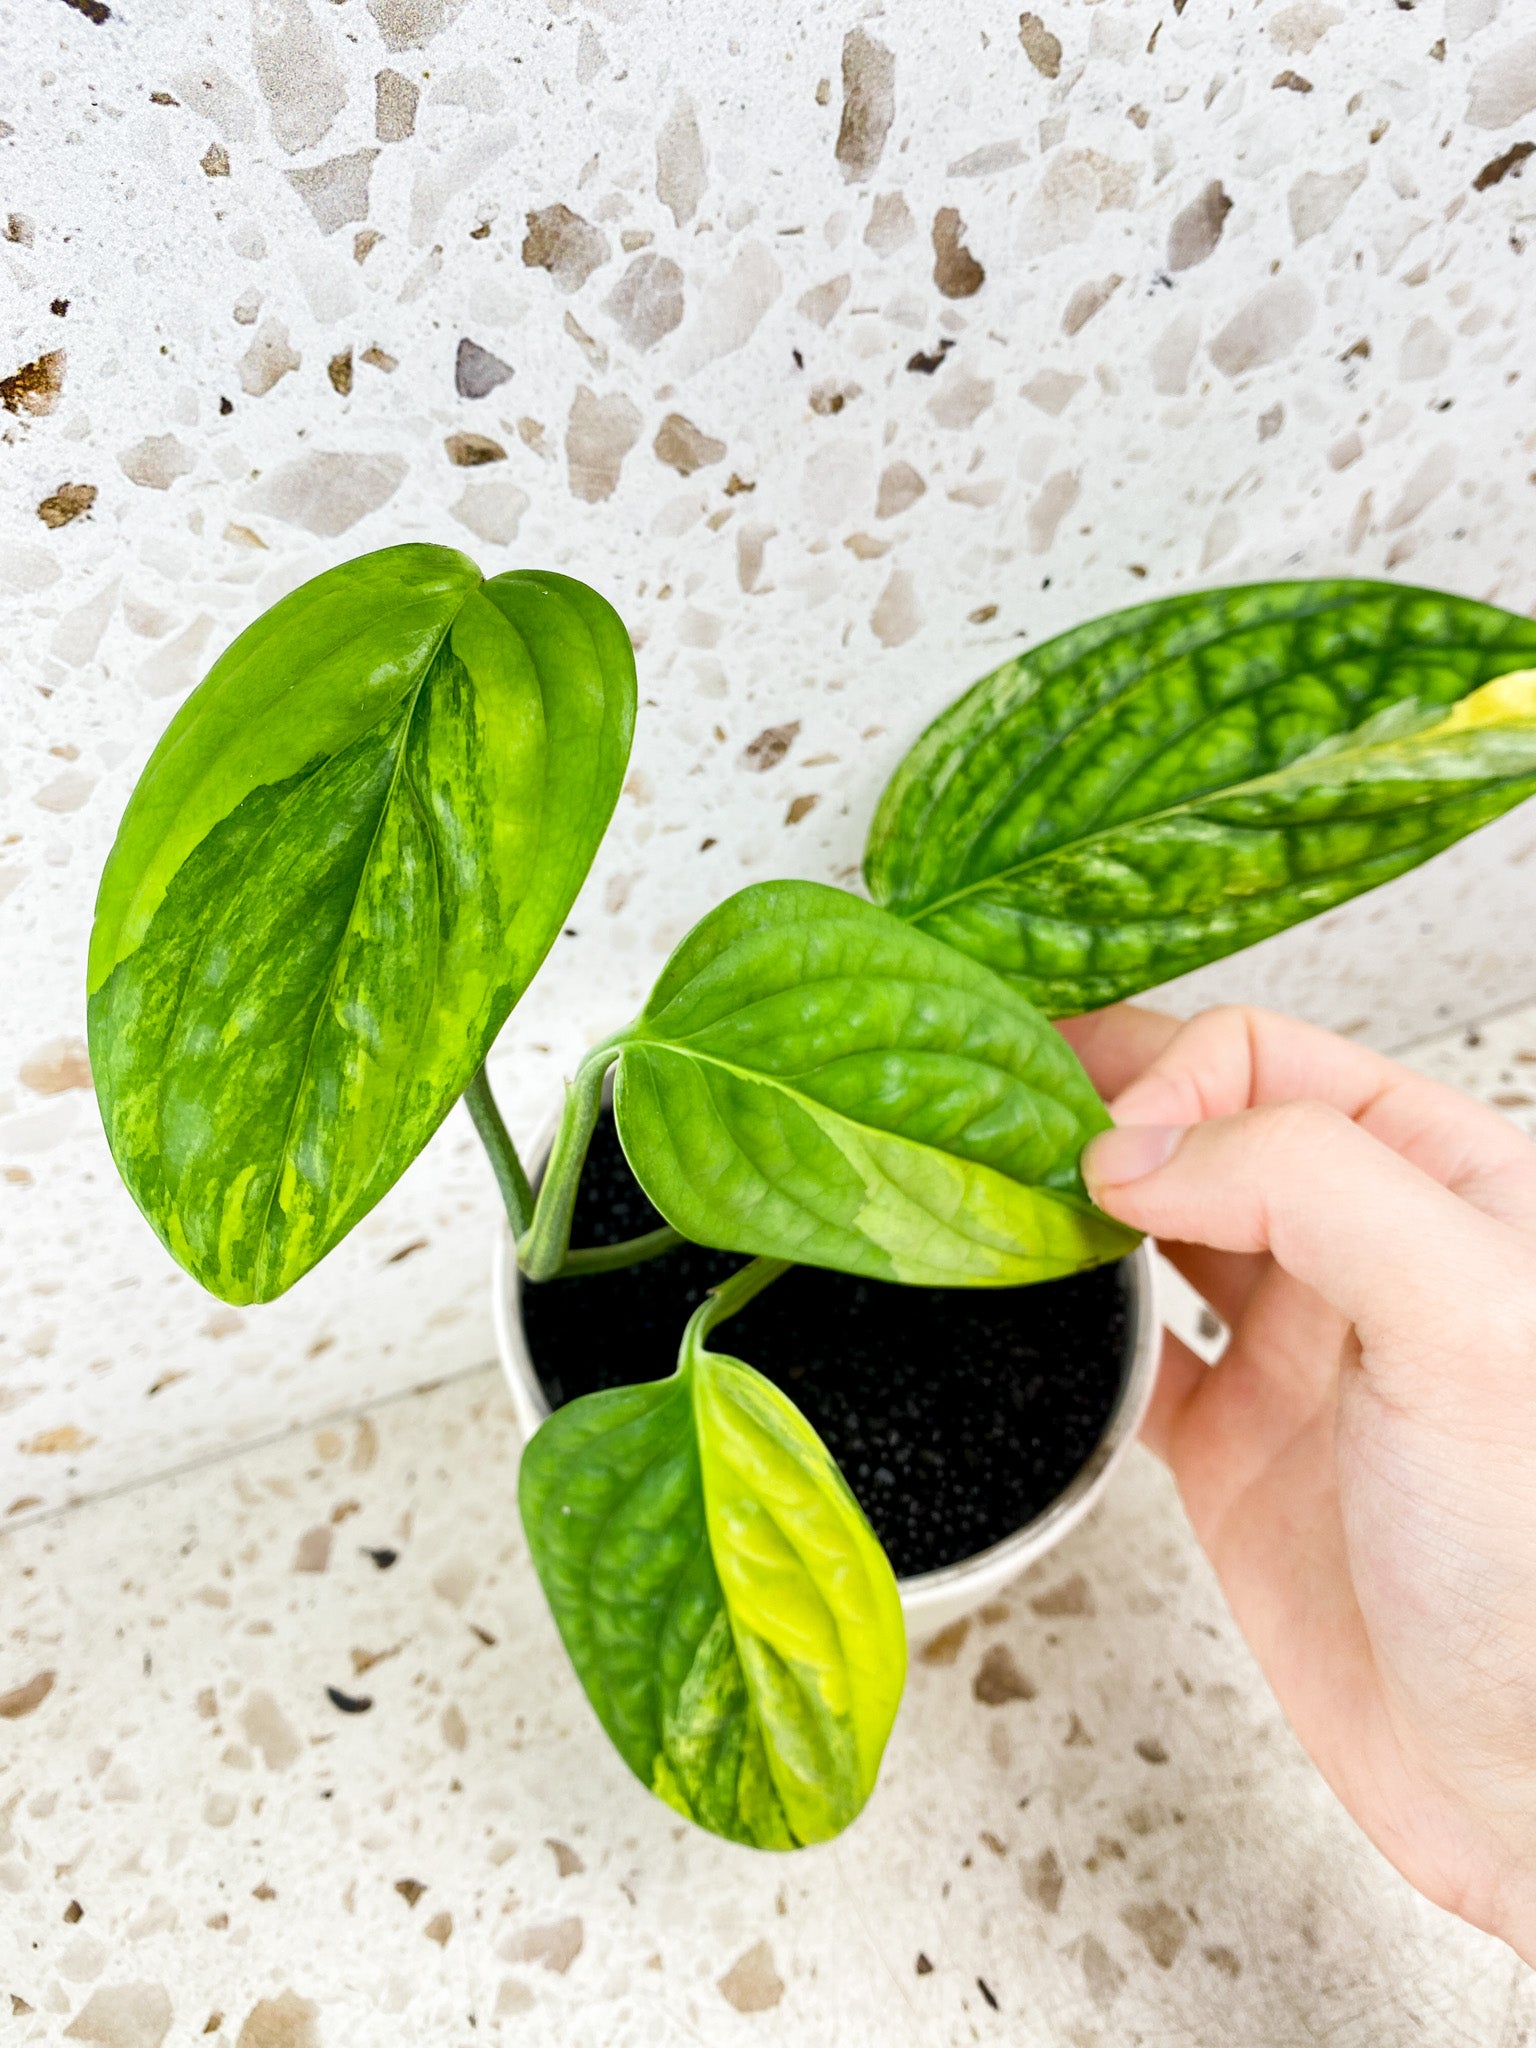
516 1194
629 1251
726 1300
543 1227
543 1244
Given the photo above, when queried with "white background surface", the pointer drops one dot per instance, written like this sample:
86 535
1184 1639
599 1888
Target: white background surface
196 1843
1387 431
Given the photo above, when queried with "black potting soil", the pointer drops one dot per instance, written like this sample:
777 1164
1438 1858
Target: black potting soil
956 1414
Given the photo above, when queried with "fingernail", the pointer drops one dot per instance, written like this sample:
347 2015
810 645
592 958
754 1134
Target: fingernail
1129 1152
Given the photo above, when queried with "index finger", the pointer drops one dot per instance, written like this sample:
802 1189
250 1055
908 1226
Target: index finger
1117 1044
1237 1058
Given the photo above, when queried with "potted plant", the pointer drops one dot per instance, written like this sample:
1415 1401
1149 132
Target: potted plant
356 841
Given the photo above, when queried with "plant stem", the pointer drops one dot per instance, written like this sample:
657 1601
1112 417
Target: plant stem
732 1295
543 1244
632 1251
516 1195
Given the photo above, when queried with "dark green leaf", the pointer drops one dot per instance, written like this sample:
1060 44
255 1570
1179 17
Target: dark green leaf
727 1607
341 868
814 1080
1169 784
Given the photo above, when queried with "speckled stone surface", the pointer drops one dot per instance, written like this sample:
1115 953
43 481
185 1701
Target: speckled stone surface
290 1757
848 349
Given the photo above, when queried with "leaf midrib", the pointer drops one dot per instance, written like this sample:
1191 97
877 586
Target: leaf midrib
1001 877
685 1041
406 722
1081 982
812 978
1111 706
730 1612
623 1495
819 1110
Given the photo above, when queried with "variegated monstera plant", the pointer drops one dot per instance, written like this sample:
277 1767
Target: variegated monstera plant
357 840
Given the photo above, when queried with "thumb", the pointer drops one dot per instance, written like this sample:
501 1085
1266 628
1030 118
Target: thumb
1383 1243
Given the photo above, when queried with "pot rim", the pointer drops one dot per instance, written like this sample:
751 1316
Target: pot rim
927 1598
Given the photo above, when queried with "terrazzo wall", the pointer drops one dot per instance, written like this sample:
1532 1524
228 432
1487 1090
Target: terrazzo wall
847 348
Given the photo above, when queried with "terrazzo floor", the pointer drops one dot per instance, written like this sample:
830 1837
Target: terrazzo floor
290 1757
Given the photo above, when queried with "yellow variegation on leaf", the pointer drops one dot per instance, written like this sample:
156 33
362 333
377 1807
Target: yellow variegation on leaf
726 1605
1158 788
812 1079
342 866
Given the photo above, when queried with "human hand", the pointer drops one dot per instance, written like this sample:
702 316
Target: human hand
1361 1464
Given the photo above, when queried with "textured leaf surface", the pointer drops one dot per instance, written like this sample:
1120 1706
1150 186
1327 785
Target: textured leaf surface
343 864
1169 784
727 1607
814 1080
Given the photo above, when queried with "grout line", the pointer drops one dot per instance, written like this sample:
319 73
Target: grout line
38 1517
1466 1024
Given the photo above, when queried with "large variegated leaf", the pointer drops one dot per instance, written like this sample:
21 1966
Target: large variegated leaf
343 864
1168 784
814 1080
728 1609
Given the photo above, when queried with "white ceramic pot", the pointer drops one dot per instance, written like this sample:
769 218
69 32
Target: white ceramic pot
931 1600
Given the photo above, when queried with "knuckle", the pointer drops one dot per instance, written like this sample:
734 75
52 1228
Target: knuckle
1204 1070
1223 1024
1226 1048
1244 1021
1229 1016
